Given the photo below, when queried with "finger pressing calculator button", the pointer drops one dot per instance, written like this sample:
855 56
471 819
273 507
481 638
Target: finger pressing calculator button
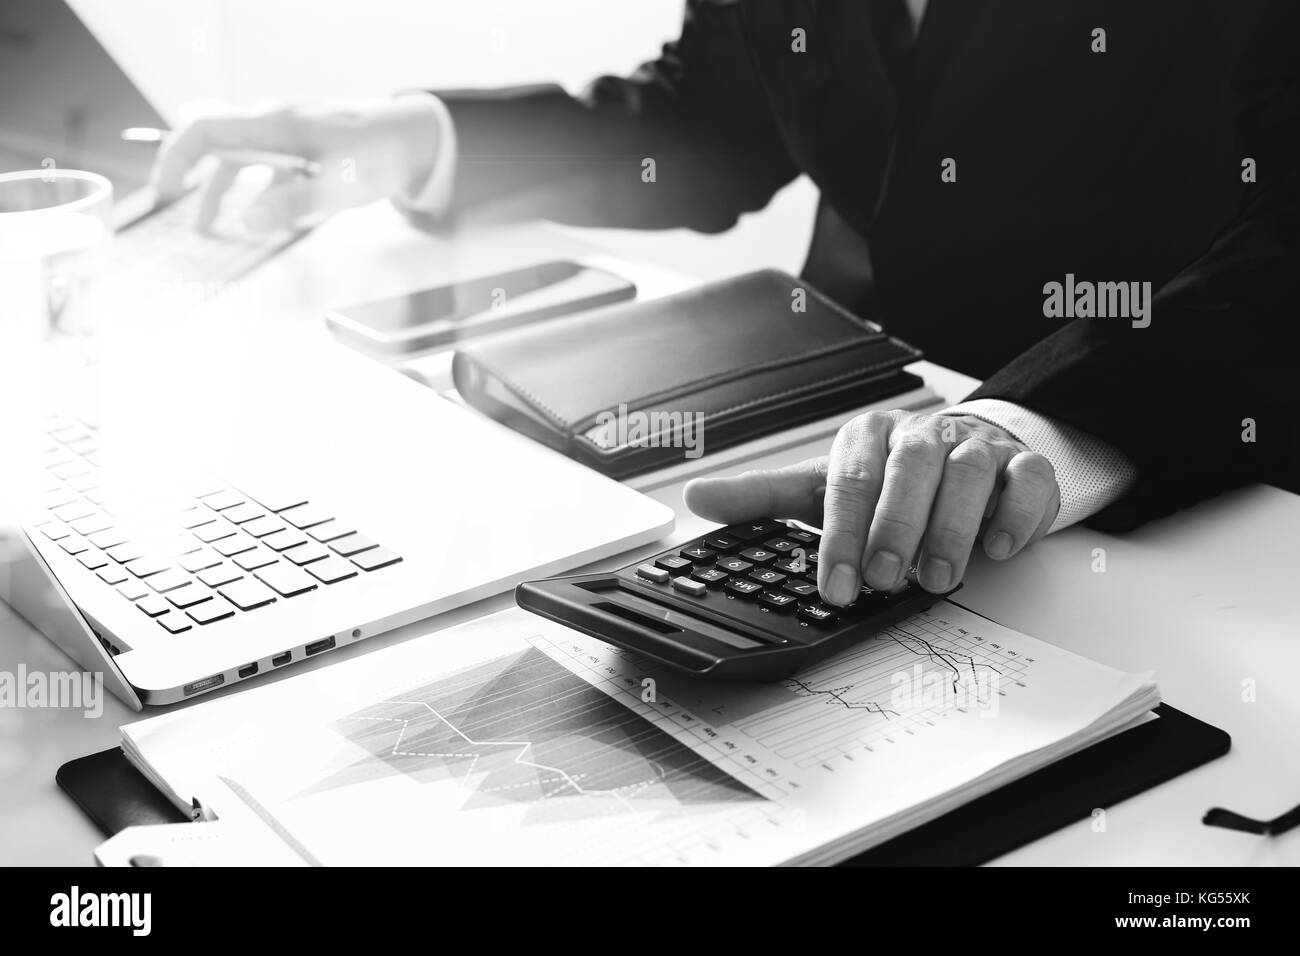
651 573
671 562
687 586
734 565
818 614
722 543
739 587
699 554
710 577
759 555
776 601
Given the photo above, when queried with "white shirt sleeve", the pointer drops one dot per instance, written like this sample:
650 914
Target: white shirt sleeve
1090 473
434 196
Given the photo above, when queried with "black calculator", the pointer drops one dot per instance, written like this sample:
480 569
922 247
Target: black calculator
740 603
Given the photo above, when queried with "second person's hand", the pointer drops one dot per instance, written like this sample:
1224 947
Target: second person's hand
364 151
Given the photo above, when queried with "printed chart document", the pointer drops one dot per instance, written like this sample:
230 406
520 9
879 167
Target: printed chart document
514 740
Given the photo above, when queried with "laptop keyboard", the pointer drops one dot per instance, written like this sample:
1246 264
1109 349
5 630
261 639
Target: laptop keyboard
222 553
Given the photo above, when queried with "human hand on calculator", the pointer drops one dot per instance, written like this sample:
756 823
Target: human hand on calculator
900 488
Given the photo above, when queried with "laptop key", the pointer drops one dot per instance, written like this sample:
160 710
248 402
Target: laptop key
353 544
283 540
286 580
145 566
73 511
279 501
174 623
55 530
199 560
331 530
190 595
153 605
92 524
215 531
132 590
248 594
192 518
124 553
93 559
307 553
218 609
112 575
257 558
168 580
305 515
223 500
236 544
109 538
376 558
261 527
331 570
220 575
240 513
74 544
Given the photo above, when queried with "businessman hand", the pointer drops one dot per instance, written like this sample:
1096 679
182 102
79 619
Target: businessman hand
366 150
896 488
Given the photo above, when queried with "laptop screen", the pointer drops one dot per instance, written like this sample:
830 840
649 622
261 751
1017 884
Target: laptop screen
63 98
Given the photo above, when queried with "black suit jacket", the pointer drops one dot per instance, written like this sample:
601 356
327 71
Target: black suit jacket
1115 166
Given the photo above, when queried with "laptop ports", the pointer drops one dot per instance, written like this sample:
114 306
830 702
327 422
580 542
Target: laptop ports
315 647
279 660
248 670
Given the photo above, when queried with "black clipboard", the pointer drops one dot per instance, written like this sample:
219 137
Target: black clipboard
115 795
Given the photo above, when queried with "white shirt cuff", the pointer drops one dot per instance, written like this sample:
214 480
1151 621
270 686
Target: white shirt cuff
434 196
1090 473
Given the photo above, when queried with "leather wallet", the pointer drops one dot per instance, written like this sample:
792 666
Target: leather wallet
638 386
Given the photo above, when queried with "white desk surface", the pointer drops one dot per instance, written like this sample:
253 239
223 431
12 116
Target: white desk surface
1202 598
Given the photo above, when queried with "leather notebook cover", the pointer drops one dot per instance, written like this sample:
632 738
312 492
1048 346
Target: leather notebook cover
634 387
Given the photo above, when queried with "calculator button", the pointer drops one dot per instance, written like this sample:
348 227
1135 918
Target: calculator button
776 601
780 545
768 577
739 587
671 562
803 589
698 554
722 543
792 566
759 555
651 573
687 586
754 530
710 577
799 536
734 566
818 614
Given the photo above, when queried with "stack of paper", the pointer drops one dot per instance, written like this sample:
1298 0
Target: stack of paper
516 740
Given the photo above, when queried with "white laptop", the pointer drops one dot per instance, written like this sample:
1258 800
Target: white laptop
228 527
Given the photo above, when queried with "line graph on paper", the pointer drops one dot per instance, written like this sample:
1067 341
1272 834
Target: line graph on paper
902 681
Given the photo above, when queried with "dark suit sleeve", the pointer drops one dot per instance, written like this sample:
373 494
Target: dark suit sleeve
698 111
1179 396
